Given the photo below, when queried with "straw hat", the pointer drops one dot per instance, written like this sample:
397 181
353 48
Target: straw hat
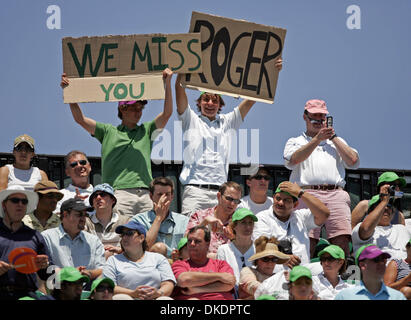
270 249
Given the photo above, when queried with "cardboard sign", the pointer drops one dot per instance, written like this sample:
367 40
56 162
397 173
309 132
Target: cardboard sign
123 88
118 68
238 57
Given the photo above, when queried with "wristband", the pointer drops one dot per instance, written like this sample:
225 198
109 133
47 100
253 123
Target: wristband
300 194
333 136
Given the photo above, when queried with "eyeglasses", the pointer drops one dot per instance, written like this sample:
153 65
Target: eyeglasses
321 121
23 148
17 200
102 288
261 176
213 99
128 233
228 198
329 259
268 259
76 163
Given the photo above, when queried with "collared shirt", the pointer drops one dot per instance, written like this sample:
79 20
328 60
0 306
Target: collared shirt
256 208
217 238
107 235
172 229
31 221
85 249
323 166
295 228
23 237
360 292
70 192
325 290
207 146
125 154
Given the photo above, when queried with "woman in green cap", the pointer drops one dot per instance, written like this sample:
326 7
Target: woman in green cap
328 283
300 286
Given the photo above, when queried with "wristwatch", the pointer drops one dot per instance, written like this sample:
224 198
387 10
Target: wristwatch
300 194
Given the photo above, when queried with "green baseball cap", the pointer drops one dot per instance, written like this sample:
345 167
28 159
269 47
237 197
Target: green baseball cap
266 297
182 243
299 271
71 274
242 213
335 251
279 190
99 281
390 176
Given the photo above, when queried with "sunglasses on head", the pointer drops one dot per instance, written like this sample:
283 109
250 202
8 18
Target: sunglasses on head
17 200
268 259
76 163
102 288
261 176
236 201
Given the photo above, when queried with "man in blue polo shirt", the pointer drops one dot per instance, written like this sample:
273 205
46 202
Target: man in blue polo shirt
372 263
164 226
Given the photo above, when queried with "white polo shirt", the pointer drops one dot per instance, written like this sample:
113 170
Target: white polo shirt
256 208
297 227
207 146
323 166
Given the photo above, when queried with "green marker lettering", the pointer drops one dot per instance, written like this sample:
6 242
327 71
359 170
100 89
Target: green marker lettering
178 52
141 91
120 87
147 55
107 91
198 57
86 56
109 46
159 40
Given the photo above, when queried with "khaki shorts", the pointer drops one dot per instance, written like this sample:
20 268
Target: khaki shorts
132 201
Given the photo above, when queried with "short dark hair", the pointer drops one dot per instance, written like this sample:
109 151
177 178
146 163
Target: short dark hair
72 154
209 94
207 234
120 115
230 184
162 181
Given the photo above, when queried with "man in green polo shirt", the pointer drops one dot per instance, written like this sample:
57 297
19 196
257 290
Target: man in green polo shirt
126 149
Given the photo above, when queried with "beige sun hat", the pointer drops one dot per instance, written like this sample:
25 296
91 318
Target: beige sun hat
31 196
270 249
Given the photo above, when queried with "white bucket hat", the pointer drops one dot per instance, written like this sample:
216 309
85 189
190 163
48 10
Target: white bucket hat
31 196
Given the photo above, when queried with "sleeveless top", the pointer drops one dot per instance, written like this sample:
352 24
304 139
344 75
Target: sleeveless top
403 269
25 178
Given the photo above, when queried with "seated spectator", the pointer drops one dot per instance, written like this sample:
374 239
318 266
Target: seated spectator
78 168
181 253
284 222
103 221
102 289
387 178
21 172
372 263
257 200
15 202
162 225
328 283
43 218
300 284
70 245
137 272
199 277
219 217
69 284
377 228
398 273
266 257
241 248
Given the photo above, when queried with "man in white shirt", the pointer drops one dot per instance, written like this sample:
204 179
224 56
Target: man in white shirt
377 228
318 159
257 200
284 222
78 168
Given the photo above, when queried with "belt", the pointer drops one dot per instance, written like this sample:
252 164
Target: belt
205 186
322 187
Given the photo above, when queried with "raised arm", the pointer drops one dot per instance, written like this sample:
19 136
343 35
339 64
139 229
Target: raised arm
358 213
349 156
162 119
87 123
181 96
4 177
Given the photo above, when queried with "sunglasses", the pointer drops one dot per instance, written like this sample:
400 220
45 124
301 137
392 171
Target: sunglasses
102 288
24 148
128 233
329 259
230 199
268 259
261 176
17 200
321 121
76 163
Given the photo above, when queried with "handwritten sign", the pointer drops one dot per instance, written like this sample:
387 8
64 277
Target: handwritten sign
238 57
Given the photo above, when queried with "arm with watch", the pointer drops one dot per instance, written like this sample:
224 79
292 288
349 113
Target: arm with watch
317 208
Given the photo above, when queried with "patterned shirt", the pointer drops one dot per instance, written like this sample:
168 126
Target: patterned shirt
31 221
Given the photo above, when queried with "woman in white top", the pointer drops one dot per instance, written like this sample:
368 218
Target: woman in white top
21 172
237 252
328 283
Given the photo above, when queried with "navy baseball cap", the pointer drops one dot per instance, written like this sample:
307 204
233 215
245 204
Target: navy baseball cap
133 225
